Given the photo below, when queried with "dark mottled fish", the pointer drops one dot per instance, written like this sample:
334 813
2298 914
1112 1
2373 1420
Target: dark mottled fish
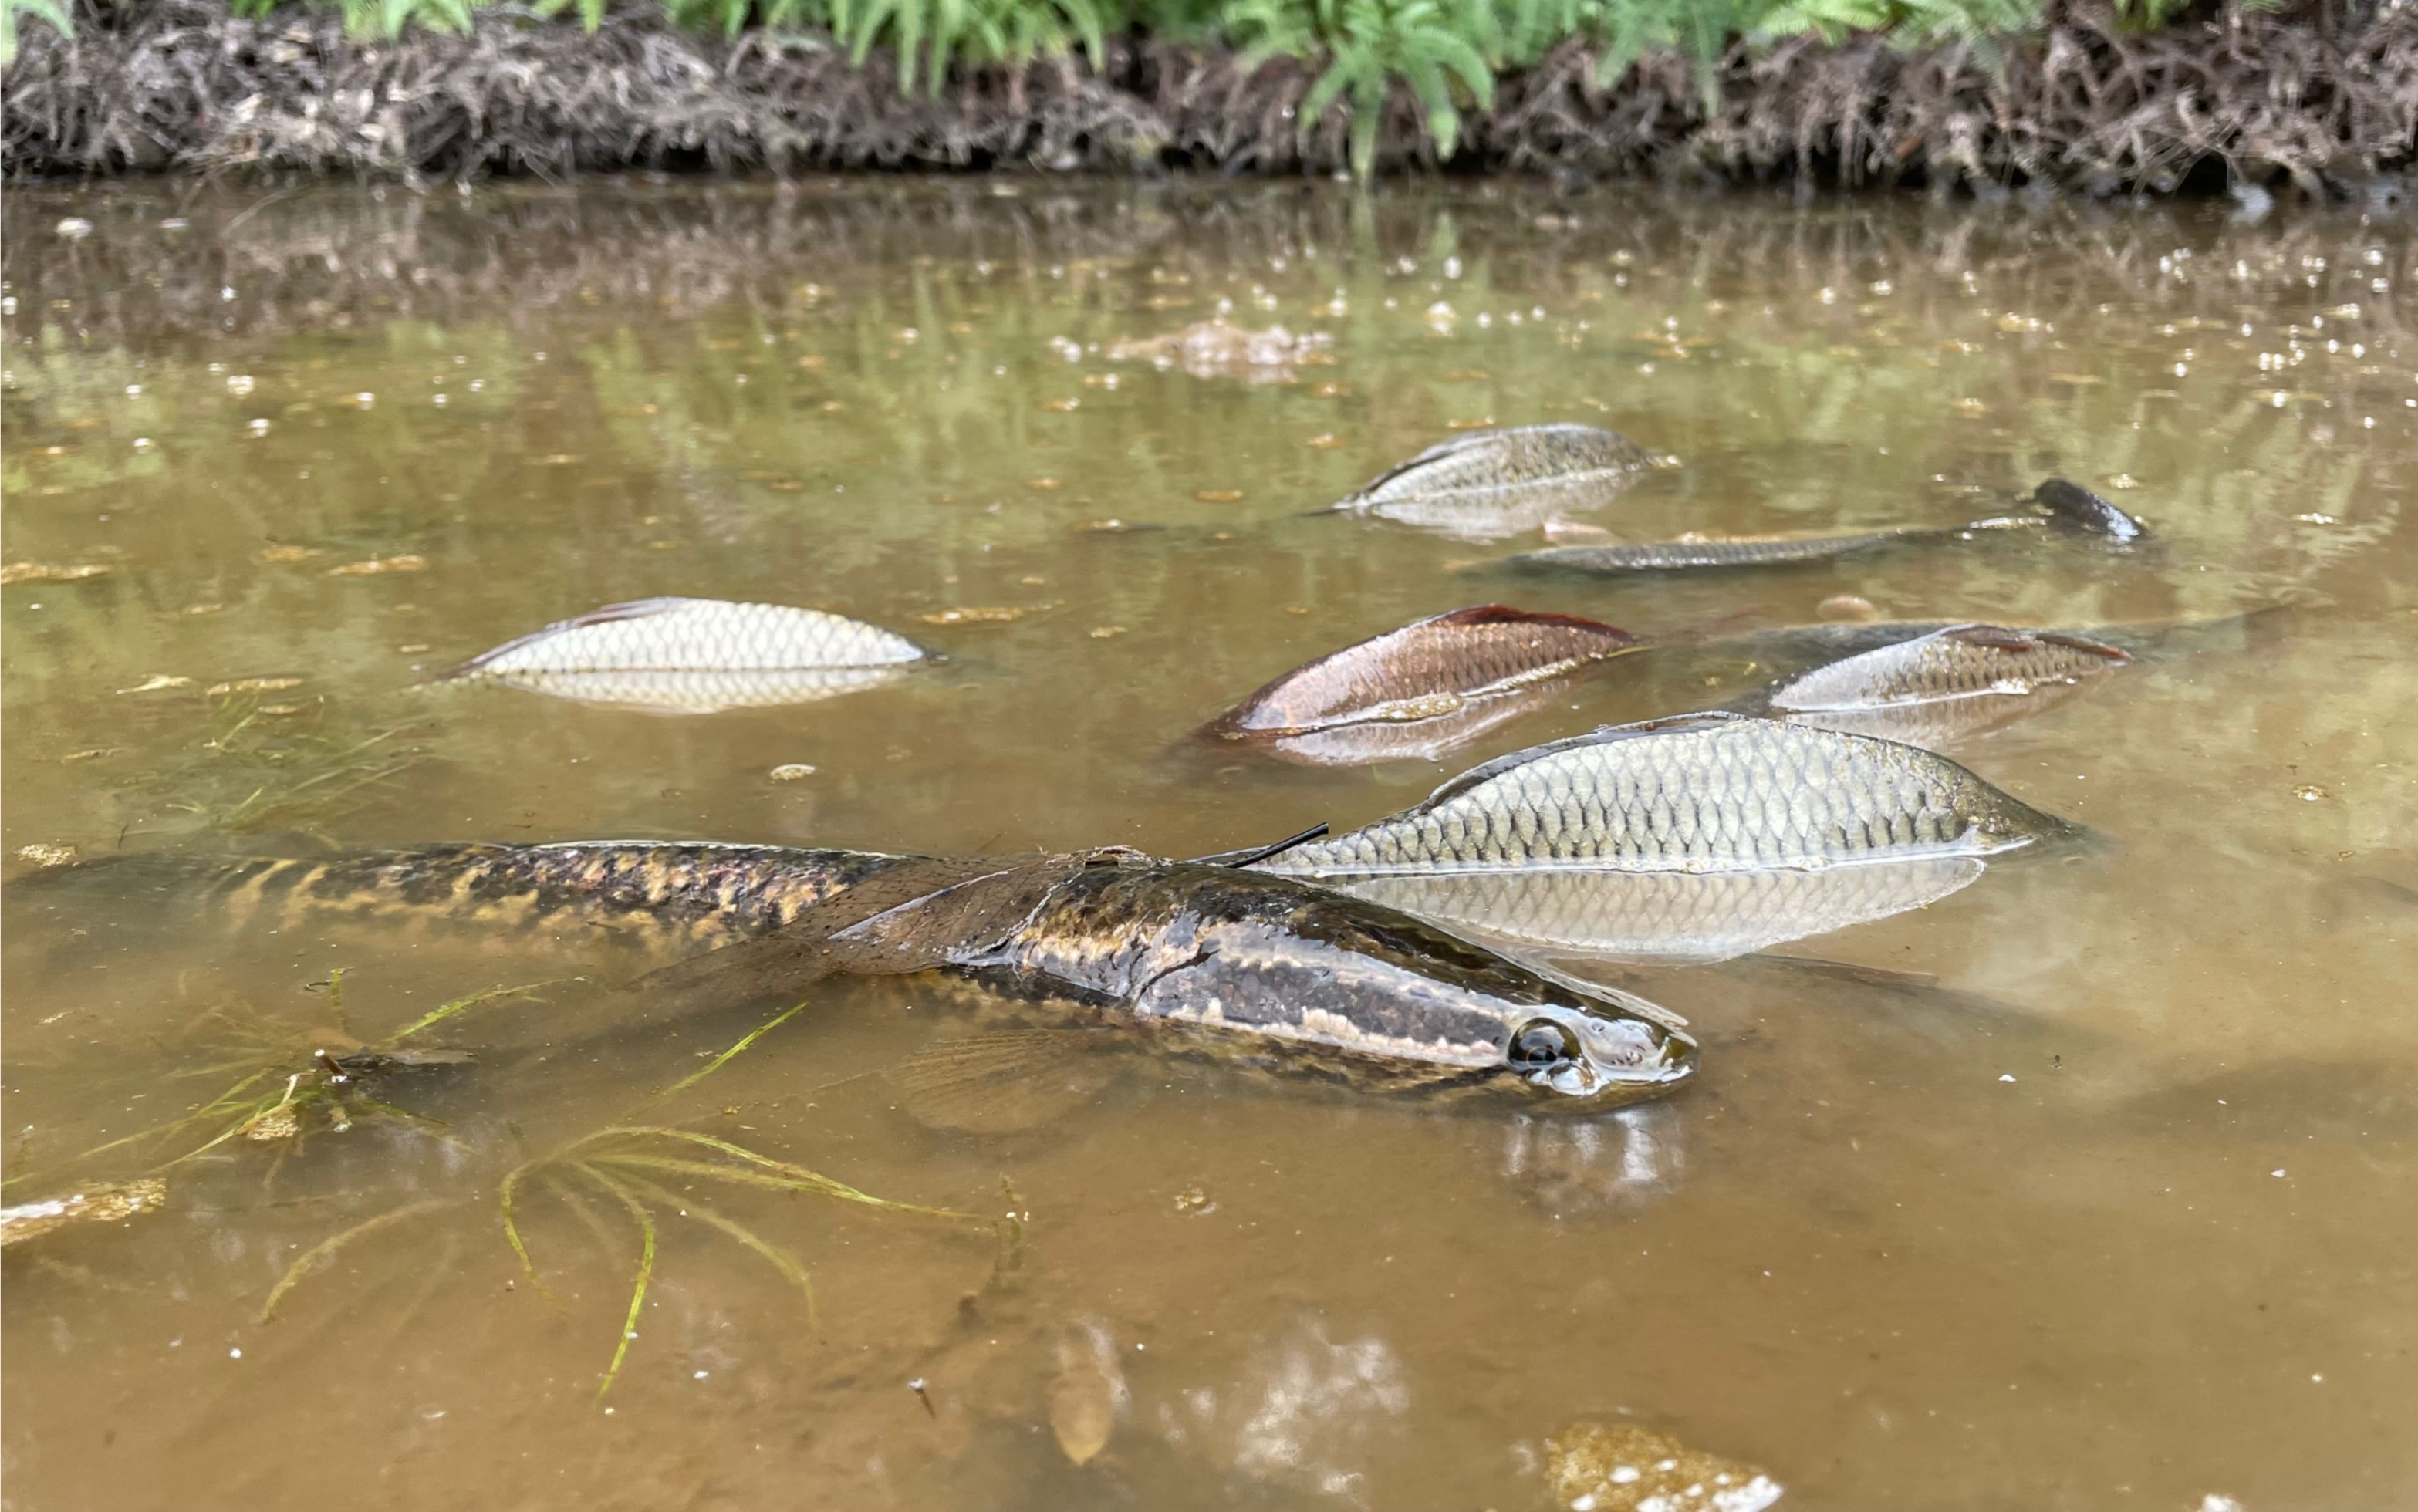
1233 964
1944 686
1419 690
2077 507
694 656
1492 485
2062 506
1670 916
1700 793
663 897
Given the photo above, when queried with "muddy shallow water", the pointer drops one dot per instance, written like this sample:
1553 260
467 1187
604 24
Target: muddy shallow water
2095 1189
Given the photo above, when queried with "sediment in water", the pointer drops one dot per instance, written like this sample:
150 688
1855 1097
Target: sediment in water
2081 103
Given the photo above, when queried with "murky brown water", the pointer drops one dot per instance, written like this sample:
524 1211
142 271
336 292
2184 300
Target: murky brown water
2172 1256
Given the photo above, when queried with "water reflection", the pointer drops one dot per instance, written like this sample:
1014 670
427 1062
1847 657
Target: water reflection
1677 916
1431 739
860 395
1312 1410
1620 1163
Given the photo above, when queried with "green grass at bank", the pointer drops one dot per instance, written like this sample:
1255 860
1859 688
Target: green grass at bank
1447 53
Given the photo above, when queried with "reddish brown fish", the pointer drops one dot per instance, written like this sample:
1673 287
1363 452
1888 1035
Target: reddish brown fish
1432 670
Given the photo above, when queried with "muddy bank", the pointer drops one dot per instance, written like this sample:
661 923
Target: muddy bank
2297 98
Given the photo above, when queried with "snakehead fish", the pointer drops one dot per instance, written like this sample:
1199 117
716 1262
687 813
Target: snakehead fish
1712 792
694 656
2063 506
1230 964
664 898
1418 690
1492 485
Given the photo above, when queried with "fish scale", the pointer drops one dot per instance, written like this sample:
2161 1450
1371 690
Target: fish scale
1705 793
1492 484
678 655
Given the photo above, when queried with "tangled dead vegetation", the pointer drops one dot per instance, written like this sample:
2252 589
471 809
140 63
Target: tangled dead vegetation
2081 104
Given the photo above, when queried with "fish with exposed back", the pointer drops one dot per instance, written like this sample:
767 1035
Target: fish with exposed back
1232 965
2061 506
694 656
1711 793
1421 690
1957 681
1492 485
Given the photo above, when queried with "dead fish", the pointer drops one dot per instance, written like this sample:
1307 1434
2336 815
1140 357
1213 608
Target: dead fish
1214 348
1712 792
663 899
2059 505
1663 916
693 656
1225 965
1217 963
1421 688
1951 683
1493 484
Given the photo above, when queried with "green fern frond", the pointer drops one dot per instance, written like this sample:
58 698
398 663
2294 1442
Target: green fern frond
49 10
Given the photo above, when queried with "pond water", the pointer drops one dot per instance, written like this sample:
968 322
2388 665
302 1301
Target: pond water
2093 1184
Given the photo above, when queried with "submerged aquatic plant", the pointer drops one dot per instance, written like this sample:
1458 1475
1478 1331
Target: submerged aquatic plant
268 765
627 1164
291 1078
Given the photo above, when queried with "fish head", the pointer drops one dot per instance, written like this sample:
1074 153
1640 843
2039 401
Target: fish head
2071 506
1581 1058
1403 1000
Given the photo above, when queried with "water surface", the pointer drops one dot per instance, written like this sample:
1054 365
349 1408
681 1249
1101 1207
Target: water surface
2104 1198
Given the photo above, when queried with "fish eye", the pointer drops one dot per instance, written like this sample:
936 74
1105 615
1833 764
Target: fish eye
1542 1043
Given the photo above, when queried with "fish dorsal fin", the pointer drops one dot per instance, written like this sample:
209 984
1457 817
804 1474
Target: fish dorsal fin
1450 446
1500 614
2113 655
610 613
998 1083
2018 639
1988 637
1609 734
959 921
828 940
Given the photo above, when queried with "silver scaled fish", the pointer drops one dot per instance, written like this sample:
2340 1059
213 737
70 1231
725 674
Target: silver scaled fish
1949 684
1418 691
1713 792
1493 484
694 656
